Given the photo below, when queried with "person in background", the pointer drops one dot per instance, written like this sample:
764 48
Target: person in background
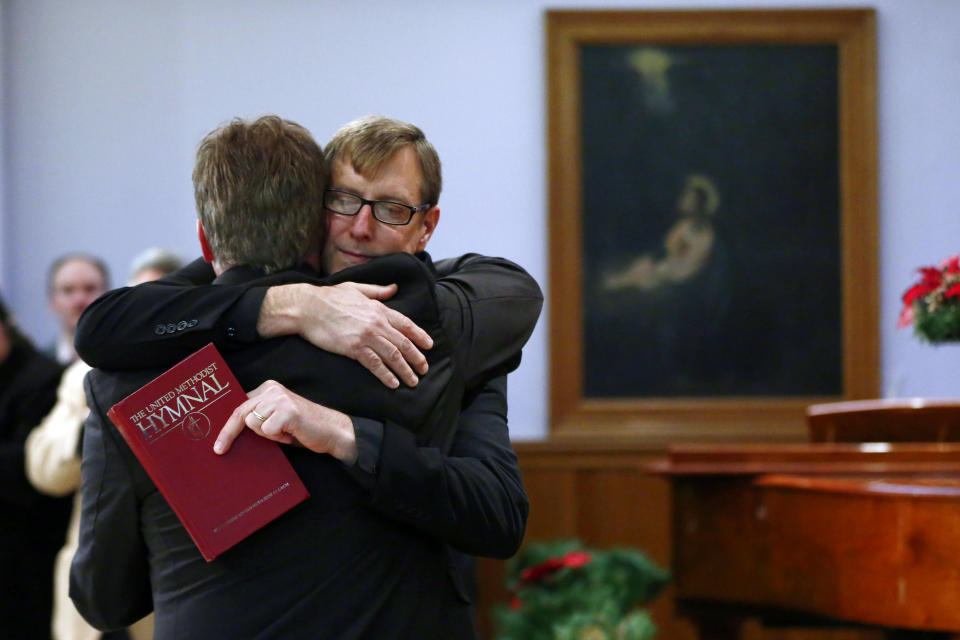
32 525
53 467
152 264
73 282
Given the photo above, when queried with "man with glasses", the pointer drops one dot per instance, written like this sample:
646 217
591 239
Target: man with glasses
459 487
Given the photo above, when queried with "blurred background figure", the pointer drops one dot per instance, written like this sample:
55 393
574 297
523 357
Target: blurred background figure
688 245
33 525
53 466
153 263
73 282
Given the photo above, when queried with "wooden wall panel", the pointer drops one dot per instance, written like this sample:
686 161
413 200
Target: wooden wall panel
554 514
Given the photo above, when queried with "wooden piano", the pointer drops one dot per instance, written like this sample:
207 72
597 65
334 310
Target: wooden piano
820 534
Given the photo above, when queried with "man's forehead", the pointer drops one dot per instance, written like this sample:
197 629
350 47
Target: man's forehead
77 268
400 173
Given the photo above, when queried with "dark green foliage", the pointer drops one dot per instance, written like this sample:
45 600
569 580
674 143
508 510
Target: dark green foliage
565 591
942 325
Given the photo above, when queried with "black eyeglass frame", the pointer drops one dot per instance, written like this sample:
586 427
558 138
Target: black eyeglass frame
373 207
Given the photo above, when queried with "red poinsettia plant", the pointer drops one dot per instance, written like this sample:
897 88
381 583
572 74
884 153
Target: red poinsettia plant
932 304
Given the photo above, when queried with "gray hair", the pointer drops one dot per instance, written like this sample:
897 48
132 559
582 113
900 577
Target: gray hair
97 263
163 260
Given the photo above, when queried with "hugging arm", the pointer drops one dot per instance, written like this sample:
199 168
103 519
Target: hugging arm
472 498
490 307
159 323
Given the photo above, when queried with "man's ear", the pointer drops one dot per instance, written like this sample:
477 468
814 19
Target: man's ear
204 245
430 220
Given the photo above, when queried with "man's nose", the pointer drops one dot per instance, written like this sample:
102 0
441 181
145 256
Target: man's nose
363 222
84 298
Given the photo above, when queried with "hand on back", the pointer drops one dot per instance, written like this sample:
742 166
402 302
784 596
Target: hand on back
349 319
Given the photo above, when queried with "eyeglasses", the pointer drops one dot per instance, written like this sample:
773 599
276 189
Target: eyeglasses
387 212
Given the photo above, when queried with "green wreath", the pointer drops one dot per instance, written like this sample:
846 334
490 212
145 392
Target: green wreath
565 591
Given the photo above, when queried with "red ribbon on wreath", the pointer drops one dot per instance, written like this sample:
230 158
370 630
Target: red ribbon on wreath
550 566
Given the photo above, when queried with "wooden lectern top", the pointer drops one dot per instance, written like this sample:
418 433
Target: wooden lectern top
811 458
885 420
854 533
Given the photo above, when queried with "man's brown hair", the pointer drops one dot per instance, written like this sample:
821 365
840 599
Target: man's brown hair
259 192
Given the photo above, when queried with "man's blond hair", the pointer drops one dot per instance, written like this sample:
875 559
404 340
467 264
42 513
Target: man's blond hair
259 193
371 141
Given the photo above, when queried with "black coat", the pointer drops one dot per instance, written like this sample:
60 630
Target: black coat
358 559
33 526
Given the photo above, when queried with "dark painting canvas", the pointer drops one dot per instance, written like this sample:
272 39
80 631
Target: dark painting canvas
711 221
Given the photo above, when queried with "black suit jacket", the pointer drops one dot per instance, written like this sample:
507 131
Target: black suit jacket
469 495
334 567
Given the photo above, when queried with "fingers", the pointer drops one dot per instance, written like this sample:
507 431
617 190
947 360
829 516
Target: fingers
273 427
374 291
404 360
369 359
256 413
387 361
412 332
396 319
234 425
389 352
353 321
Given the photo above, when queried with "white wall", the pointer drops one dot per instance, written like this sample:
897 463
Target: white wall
3 156
105 100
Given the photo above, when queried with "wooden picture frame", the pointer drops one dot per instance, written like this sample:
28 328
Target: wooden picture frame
809 76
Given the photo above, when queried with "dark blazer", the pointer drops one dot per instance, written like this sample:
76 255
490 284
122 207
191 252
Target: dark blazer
469 495
337 566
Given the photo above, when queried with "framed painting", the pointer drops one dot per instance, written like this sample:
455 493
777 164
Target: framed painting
712 218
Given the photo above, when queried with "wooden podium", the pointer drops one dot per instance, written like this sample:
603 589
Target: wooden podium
820 534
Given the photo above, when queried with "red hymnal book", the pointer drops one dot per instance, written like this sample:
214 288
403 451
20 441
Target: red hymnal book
171 424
